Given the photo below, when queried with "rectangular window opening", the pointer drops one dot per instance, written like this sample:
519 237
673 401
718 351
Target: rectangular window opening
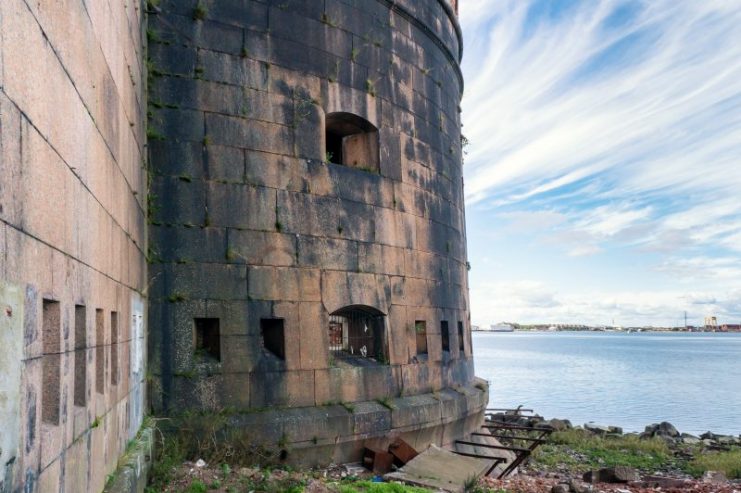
273 336
461 344
445 335
420 328
208 338
99 351
50 379
80 390
114 348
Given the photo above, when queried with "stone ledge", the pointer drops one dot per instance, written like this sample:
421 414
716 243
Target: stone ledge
133 467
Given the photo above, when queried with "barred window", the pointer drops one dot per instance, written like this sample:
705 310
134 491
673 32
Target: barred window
356 335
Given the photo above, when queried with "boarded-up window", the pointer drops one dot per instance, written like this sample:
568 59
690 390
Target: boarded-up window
80 390
50 379
461 343
445 335
420 328
114 348
273 336
352 141
99 351
208 338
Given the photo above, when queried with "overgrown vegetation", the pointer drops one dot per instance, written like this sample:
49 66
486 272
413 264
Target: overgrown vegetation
728 462
582 450
579 451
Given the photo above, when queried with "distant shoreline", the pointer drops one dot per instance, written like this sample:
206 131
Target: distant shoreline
615 331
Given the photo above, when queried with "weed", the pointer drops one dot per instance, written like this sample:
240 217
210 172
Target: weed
95 423
205 141
727 462
348 407
278 226
197 486
354 54
326 19
200 12
328 157
176 297
244 53
386 402
153 134
370 87
231 254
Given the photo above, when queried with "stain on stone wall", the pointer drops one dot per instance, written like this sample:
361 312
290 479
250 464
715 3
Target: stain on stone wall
306 170
72 236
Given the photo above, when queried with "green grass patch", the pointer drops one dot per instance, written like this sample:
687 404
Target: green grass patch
370 487
581 450
727 462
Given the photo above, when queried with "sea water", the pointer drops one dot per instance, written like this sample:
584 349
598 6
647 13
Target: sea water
692 380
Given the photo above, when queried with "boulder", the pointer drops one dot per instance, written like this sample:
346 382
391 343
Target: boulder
714 477
619 474
709 435
558 424
579 487
560 488
597 429
662 430
615 430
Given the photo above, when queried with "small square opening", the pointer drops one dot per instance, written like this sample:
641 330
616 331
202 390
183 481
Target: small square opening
273 336
445 335
207 338
420 328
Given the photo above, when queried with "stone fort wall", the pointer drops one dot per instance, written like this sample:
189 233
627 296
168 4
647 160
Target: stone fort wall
72 240
257 229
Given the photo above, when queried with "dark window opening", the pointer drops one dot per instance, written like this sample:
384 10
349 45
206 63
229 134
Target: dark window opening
99 351
461 344
114 348
445 335
80 390
420 328
356 335
273 336
351 141
208 338
51 363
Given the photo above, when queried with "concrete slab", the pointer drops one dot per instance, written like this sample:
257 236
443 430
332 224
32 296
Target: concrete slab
440 469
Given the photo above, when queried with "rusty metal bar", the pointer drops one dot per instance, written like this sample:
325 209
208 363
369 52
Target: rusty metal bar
508 426
529 439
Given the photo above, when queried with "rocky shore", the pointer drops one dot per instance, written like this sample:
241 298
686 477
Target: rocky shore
599 458
590 458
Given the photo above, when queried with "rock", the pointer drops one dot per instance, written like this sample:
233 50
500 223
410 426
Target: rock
249 472
619 474
558 424
200 463
560 488
597 429
690 440
709 435
577 487
662 430
714 477
616 430
316 486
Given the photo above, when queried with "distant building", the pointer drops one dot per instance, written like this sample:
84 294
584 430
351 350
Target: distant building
730 328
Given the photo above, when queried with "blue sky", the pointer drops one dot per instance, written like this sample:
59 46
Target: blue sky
603 176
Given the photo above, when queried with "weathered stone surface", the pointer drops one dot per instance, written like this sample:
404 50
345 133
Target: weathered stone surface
619 474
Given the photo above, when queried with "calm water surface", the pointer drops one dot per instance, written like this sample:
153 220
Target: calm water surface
628 380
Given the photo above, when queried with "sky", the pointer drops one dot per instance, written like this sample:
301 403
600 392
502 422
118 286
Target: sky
603 174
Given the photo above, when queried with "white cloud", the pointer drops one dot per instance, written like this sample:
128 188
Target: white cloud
594 136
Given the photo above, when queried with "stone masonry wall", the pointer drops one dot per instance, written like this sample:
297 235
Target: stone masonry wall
250 221
72 235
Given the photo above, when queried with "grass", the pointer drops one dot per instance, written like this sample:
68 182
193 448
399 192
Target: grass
727 462
595 452
370 487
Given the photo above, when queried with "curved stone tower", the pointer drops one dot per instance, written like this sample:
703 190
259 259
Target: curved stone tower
307 223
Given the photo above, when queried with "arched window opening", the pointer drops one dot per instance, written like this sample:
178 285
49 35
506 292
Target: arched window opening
351 141
356 335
